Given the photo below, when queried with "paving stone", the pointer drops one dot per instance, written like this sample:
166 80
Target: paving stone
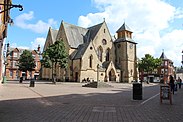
70 102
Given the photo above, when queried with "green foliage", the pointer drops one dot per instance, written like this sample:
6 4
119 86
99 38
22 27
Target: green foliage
149 63
46 62
55 55
26 61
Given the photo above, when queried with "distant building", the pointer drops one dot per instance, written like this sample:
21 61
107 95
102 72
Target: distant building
161 73
12 72
179 71
166 69
94 54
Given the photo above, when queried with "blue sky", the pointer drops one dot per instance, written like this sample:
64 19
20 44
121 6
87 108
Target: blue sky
157 24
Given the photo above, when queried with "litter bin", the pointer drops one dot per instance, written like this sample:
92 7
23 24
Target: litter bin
32 83
137 91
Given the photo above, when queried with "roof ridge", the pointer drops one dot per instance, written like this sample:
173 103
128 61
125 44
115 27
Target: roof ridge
73 25
124 27
95 25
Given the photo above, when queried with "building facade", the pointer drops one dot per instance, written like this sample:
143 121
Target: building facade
161 73
166 69
12 57
4 20
94 54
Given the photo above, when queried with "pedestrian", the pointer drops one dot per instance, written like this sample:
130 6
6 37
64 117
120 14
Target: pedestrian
179 82
172 84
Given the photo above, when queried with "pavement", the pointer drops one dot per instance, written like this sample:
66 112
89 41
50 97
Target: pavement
70 102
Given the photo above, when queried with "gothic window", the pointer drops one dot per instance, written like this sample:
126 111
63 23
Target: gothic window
104 42
104 30
107 54
100 51
90 61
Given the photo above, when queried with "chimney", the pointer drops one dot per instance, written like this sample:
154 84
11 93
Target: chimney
38 48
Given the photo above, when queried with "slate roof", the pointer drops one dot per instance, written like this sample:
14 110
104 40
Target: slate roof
179 70
105 64
163 56
124 27
94 30
20 50
53 34
80 51
79 37
75 34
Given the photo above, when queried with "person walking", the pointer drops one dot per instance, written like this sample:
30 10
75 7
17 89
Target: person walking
179 82
172 84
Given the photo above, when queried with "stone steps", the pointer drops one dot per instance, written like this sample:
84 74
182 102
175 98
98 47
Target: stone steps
97 85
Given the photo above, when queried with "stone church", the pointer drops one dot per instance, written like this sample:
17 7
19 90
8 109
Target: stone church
94 54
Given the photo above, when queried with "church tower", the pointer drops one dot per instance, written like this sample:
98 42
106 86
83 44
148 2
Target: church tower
126 58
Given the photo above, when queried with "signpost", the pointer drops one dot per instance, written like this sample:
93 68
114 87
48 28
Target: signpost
165 93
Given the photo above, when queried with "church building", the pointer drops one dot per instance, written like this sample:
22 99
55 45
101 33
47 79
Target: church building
94 54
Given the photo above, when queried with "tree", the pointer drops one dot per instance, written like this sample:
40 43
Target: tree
26 62
55 55
148 63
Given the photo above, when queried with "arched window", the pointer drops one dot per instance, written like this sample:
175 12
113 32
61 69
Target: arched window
107 54
100 51
90 61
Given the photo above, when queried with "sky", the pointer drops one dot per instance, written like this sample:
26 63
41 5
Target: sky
157 25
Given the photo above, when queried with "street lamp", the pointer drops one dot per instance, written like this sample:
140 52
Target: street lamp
10 6
17 72
4 77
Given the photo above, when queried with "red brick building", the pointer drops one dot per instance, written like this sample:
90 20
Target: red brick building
161 74
12 72
166 69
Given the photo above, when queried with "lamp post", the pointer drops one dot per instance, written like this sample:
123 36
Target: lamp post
4 77
17 73
98 72
10 6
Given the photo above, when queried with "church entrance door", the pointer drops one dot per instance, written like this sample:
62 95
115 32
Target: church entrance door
112 76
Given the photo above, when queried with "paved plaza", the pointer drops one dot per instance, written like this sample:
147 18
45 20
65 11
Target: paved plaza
70 102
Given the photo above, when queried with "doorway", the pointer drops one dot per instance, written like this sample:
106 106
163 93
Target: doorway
112 76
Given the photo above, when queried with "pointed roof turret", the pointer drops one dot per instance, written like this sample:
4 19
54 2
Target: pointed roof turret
124 27
163 56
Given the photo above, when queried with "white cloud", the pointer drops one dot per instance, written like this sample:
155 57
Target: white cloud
147 19
173 42
179 13
39 27
38 41
14 45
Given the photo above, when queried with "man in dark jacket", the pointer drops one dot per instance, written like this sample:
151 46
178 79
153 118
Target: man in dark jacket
172 85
